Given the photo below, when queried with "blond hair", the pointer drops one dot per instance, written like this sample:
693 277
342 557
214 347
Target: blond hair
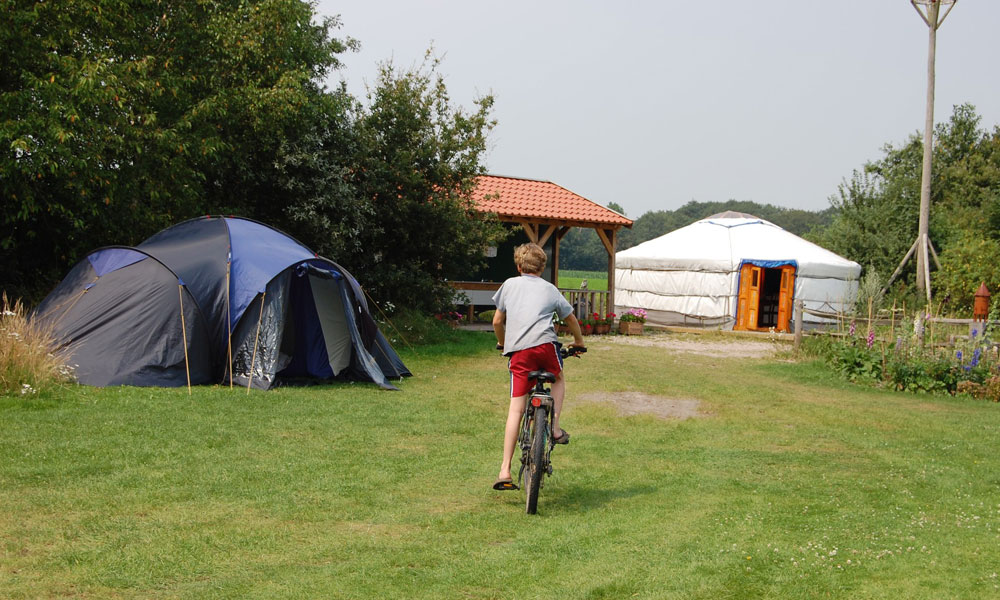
530 258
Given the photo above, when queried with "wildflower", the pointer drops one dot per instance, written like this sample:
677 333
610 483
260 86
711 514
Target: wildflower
852 328
973 334
9 313
975 357
958 355
27 389
871 338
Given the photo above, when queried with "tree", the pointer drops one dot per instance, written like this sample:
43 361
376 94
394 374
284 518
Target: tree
118 118
418 159
877 208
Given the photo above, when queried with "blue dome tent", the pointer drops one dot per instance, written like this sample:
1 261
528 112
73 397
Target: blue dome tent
214 300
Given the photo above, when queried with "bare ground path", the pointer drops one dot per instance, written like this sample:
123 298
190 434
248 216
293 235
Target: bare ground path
636 403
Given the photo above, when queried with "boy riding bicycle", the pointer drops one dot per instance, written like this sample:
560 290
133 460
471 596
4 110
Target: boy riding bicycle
523 326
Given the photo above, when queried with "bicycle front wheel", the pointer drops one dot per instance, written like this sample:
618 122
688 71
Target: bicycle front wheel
536 457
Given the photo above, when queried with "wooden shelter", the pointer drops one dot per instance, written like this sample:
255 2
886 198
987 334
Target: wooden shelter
541 212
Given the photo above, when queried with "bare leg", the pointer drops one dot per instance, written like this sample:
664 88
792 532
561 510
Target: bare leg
558 393
510 434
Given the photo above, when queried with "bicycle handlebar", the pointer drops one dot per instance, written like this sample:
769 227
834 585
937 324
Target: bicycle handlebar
564 352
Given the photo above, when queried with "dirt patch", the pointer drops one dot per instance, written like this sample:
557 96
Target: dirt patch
704 347
638 403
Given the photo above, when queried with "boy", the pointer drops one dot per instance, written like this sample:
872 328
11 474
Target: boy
523 326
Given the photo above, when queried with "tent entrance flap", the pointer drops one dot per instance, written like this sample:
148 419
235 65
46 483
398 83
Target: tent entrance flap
765 296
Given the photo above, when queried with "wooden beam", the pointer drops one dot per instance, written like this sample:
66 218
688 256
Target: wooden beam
555 259
562 222
531 230
548 233
608 244
611 270
562 232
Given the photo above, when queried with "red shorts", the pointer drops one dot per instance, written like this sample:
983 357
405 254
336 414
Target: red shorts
544 357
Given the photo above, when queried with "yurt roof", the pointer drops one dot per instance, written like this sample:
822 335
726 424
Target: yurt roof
720 243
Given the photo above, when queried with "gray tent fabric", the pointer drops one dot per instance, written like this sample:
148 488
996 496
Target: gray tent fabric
210 286
327 296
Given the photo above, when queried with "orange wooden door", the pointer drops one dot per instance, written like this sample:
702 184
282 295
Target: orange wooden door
785 297
749 297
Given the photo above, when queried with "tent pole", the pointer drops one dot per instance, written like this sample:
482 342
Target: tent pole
229 324
187 367
75 300
253 357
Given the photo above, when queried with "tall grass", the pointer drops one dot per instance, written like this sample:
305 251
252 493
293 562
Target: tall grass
29 361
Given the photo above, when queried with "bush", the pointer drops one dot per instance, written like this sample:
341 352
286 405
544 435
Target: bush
408 327
912 363
29 361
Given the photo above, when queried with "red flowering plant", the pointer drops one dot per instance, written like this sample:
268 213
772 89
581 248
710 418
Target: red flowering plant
449 316
636 315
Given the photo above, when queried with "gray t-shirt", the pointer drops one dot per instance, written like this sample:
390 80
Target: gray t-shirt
529 302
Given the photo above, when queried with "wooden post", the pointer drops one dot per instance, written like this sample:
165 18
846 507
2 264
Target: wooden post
799 306
608 238
611 272
229 325
187 368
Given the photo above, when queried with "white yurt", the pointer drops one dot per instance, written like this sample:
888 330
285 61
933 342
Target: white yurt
735 271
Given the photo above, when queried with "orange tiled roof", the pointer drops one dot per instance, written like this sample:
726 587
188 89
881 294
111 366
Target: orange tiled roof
532 199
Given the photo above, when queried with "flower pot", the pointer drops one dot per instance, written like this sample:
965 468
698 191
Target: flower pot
587 329
602 329
630 327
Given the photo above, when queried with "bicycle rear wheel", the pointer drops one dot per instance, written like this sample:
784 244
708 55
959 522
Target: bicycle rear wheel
536 456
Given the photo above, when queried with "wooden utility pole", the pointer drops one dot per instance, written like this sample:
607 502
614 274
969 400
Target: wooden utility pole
930 12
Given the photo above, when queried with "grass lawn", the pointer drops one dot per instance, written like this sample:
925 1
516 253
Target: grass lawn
795 485
596 280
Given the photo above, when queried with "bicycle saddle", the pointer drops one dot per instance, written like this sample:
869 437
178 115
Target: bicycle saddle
543 376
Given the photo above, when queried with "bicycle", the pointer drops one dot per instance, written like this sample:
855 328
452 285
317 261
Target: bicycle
535 438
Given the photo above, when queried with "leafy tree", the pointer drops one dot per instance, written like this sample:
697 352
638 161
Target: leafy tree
418 159
118 118
877 208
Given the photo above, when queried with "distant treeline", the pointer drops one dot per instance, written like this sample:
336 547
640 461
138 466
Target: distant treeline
581 249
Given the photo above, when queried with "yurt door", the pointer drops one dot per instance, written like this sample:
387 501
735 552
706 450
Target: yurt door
785 297
749 297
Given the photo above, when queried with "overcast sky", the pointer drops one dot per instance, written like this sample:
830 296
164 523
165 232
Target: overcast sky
654 104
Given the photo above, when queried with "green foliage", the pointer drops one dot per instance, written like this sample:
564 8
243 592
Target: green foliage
969 261
870 295
121 118
124 118
877 209
418 160
913 361
409 328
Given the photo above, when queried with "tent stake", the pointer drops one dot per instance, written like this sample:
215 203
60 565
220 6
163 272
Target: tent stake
187 368
253 357
229 324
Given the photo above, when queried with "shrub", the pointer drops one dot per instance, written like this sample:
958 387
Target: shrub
637 315
408 327
29 361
